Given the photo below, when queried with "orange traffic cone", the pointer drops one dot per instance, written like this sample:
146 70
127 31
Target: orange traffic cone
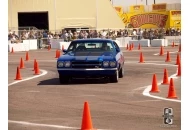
21 64
27 56
37 71
173 44
59 54
171 92
34 65
168 57
18 75
165 78
56 54
62 47
179 70
127 47
177 59
141 58
154 85
130 47
179 48
161 51
139 48
86 119
48 47
12 50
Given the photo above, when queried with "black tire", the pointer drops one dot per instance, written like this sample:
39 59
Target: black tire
114 78
63 79
121 73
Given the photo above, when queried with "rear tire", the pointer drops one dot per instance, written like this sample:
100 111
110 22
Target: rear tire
63 79
114 78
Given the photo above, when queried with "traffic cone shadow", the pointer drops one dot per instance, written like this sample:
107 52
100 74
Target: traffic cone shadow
18 75
86 119
154 85
171 91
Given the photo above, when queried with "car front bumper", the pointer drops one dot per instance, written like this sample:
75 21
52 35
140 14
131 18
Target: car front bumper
95 72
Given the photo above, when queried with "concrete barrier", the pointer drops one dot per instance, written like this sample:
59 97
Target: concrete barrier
159 42
175 39
25 46
18 47
123 41
143 42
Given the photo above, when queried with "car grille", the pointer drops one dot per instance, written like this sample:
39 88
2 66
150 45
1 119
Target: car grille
86 64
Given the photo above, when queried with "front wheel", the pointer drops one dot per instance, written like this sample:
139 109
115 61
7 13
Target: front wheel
114 78
121 72
63 79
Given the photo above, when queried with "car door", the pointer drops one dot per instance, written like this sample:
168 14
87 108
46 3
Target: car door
119 55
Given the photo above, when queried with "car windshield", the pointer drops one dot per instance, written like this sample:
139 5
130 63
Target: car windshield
91 46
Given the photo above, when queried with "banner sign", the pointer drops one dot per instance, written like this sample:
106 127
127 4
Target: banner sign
136 8
159 7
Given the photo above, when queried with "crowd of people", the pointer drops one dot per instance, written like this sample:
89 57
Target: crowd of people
69 35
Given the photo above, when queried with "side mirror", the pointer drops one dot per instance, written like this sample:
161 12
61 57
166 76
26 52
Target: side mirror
64 50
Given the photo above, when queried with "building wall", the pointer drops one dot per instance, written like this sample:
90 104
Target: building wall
15 6
68 13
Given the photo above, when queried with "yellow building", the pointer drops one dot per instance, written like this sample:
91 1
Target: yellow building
93 14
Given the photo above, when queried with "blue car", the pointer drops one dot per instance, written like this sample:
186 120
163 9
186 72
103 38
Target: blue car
91 58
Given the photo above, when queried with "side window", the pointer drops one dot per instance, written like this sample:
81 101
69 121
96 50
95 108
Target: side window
115 44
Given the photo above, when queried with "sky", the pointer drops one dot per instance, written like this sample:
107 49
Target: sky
142 2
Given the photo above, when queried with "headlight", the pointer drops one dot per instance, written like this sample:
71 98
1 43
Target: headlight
67 64
60 64
112 63
106 63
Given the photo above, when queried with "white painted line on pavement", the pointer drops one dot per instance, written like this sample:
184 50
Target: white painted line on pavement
143 101
42 125
44 72
148 88
165 53
149 63
46 125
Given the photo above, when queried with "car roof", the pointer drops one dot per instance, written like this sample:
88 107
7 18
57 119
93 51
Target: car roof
93 40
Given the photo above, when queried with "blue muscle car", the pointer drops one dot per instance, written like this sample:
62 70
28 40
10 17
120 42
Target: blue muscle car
91 58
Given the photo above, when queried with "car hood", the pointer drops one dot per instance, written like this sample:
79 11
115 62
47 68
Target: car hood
88 56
